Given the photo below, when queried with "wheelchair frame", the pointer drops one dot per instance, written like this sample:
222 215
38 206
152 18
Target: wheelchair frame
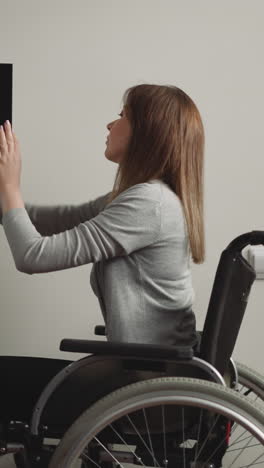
116 365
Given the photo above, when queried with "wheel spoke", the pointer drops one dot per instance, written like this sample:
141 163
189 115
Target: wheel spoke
241 451
238 440
208 436
86 457
127 446
109 453
149 437
254 463
141 438
164 437
183 438
198 436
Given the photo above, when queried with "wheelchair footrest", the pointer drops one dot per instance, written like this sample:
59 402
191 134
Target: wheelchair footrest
126 349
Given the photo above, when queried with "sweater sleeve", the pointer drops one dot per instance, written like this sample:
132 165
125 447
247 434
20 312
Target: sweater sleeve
130 222
58 218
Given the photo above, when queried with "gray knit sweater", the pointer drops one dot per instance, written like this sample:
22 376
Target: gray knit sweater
139 248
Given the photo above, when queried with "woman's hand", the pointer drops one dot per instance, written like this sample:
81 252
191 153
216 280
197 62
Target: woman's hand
10 170
10 160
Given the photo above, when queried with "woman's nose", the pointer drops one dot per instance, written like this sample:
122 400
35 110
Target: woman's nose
110 124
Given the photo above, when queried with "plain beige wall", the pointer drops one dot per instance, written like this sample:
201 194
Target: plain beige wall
72 63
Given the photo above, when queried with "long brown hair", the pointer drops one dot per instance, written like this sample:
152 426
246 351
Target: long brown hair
167 143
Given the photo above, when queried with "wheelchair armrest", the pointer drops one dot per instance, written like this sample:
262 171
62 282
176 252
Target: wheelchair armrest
127 349
99 330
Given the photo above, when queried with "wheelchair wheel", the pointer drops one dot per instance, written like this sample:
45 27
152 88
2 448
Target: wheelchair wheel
250 383
166 422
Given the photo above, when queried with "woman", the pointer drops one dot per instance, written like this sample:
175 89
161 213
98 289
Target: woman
140 236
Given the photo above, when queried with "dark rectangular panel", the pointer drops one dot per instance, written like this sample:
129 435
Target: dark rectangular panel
6 87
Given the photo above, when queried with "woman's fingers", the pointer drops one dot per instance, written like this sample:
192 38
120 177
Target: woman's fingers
3 144
9 134
10 158
6 139
14 137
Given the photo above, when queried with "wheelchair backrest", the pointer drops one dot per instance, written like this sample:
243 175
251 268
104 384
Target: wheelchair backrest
233 280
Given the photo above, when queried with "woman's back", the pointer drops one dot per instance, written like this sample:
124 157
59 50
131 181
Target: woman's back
146 293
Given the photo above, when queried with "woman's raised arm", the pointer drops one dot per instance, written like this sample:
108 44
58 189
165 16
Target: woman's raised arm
50 220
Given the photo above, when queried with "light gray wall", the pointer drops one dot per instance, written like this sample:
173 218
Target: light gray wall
72 63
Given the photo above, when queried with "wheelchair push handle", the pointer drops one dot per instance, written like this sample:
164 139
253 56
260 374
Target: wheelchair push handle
249 238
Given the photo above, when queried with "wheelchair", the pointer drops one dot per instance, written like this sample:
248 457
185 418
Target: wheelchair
151 405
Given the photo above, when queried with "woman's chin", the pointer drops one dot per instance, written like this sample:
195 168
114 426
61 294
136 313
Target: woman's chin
107 155
110 156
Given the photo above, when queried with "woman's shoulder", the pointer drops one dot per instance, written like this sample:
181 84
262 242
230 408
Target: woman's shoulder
159 191
154 190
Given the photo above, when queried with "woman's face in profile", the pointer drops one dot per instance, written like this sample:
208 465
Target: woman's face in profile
118 138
